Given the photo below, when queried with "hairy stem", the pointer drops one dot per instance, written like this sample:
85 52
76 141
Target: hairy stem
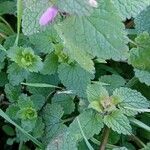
104 138
138 142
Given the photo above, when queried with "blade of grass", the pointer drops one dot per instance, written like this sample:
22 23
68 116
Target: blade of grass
42 85
140 124
6 117
19 18
85 139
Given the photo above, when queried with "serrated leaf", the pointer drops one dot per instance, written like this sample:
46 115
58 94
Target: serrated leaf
43 41
74 78
7 7
96 92
130 98
38 101
50 64
113 81
16 74
12 92
75 7
52 118
143 76
63 141
32 14
25 58
130 8
142 21
12 110
118 122
102 34
39 128
66 101
139 57
91 123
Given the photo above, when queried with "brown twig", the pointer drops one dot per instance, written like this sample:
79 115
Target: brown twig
104 138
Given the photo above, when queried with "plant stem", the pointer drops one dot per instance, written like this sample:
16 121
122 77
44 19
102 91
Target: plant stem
110 146
104 138
139 143
20 145
19 17
132 82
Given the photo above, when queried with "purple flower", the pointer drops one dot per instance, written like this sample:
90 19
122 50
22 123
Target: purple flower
93 3
48 16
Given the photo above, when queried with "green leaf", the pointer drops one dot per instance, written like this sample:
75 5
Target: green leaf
12 92
12 110
85 34
50 64
143 76
8 130
139 58
7 7
63 141
66 101
128 8
130 98
25 58
114 81
39 128
91 123
74 78
31 15
43 41
52 118
75 7
118 122
38 101
16 74
142 21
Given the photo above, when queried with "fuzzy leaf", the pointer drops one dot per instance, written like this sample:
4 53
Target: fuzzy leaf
114 82
75 7
63 141
16 74
130 98
142 21
66 101
74 78
52 118
12 92
25 58
118 122
130 8
50 64
91 123
31 16
139 58
101 34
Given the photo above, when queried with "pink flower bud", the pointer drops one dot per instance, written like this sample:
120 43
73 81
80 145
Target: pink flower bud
48 16
93 3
